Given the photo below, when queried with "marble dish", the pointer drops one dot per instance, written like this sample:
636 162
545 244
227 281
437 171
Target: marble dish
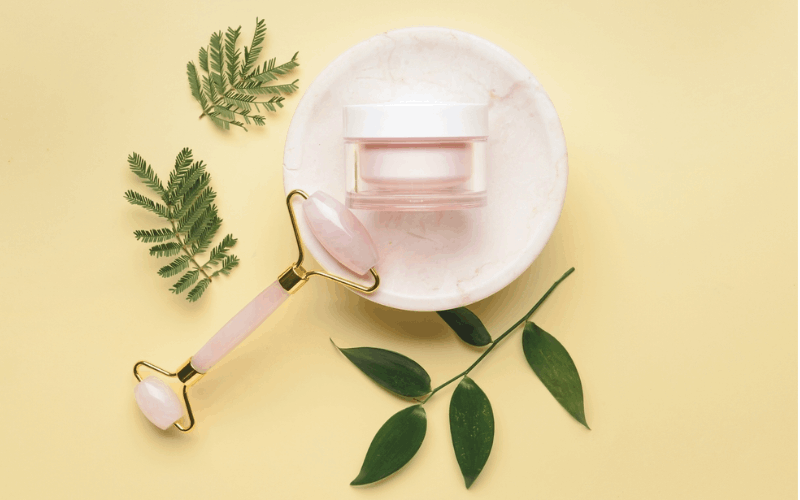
439 260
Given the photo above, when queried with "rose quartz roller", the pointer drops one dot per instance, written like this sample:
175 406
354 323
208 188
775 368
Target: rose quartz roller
342 235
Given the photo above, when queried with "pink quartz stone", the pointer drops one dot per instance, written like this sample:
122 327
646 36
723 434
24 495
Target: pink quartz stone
158 402
340 232
239 327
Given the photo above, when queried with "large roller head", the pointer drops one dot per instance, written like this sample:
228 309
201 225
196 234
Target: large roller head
340 232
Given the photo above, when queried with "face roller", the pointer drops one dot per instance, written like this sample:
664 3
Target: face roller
339 232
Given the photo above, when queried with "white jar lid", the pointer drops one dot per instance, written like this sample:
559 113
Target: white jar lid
384 121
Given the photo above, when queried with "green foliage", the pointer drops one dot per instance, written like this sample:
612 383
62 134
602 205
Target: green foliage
395 444
471 416
228 92
467 326
555 368
187 205
471 428
392 371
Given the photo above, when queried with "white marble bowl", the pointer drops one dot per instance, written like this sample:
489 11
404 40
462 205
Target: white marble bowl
439 260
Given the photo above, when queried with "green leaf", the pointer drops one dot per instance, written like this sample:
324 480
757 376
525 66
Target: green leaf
154 235
392 371
466 325
251 54
139 167
228 69
194 86
228 263
174 267
218 252
165 249
286 88
202 56
555 368
394 445
196 292
216 62
232 54
472 428
135 198
185 281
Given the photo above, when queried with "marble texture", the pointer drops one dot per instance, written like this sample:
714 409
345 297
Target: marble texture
340 232
439 260
158 402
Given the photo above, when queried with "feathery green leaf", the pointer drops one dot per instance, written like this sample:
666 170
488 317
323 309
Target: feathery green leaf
228 263
174 267
251 54
203 58
154 235
165 249
135 198
196 292
146 173
189 209
227 93
232 54
185 281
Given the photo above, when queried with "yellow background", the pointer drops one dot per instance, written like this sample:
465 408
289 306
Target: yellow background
680 218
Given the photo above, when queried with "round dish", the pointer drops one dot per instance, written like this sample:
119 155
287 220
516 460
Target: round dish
434 261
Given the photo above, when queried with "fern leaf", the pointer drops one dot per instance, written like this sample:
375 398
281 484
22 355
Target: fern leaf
270 72
165 249
224 112
139 167
232 54
216 62
174 267
183 162
204 240
228 264
135 198
203 58
197 292
185 281
154 235
197 210
219 252
251 54
287 88
194 85
196 231
224 122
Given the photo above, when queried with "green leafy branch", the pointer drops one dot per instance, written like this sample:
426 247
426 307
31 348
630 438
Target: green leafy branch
471 416
228 92
187 204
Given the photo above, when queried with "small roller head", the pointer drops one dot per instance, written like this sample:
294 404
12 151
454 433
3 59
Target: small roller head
158 402
340 232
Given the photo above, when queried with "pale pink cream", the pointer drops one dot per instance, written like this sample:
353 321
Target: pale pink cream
239 327
340 232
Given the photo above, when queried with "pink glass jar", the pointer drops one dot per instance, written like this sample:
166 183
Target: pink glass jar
421 157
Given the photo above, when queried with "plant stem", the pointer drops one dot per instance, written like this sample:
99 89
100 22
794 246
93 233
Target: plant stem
501 337
186 250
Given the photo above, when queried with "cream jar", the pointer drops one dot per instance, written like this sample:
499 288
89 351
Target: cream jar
416 157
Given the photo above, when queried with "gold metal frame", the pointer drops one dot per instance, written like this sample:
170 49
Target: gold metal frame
291 280
169 374
295 276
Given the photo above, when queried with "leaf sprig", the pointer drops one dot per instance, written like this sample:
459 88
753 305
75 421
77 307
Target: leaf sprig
471 416
187 204
228 91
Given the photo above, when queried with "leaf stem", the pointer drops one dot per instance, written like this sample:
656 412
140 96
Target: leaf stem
186 250
501 337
